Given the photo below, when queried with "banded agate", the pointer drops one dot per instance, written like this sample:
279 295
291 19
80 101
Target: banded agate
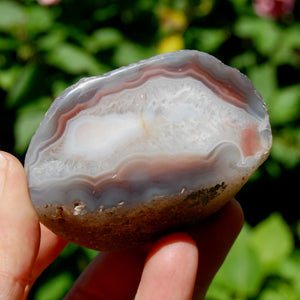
150 148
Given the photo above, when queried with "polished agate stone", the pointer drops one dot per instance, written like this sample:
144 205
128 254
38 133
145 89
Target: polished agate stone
147 149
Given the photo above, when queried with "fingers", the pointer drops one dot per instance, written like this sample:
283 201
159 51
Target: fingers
50 247
111 276
23 254
169 272
20 231
214 238
170 269
178 261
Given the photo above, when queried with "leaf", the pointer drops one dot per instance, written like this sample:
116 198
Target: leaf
286 52
21 85
273 241
217 292
281 291
39 19
28 119
106 12
69 250
240 5
286 147
74 60
264 33
264 79
242 271
128 53
8 44
8 77
103 39
91 254
292 35
289 270
244 60
52 38
273 168
12 15
55 288
205 39
211 39
285 105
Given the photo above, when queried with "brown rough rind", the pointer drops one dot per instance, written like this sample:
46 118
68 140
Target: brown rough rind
123 226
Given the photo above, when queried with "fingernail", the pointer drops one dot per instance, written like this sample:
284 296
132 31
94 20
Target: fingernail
3 171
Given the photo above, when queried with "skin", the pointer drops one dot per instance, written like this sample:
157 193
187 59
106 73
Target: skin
177 266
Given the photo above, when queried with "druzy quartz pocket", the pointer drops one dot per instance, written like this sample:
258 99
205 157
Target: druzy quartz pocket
150 148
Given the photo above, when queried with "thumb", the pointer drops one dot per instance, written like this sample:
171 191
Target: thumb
20 230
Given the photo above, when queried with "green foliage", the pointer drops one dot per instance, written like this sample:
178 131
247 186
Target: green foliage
28 119
262 265
43 50
41 46
11 16
55 288
273 241
72 59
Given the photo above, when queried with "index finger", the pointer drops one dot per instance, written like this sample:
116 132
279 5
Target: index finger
214 238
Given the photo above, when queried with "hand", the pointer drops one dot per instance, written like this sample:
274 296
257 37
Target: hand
174 267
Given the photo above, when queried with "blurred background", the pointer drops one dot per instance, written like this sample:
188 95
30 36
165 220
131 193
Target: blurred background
44 49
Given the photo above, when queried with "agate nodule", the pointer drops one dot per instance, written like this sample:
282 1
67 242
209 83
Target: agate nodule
121 159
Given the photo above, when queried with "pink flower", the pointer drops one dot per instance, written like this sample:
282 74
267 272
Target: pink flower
48 2
273 8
